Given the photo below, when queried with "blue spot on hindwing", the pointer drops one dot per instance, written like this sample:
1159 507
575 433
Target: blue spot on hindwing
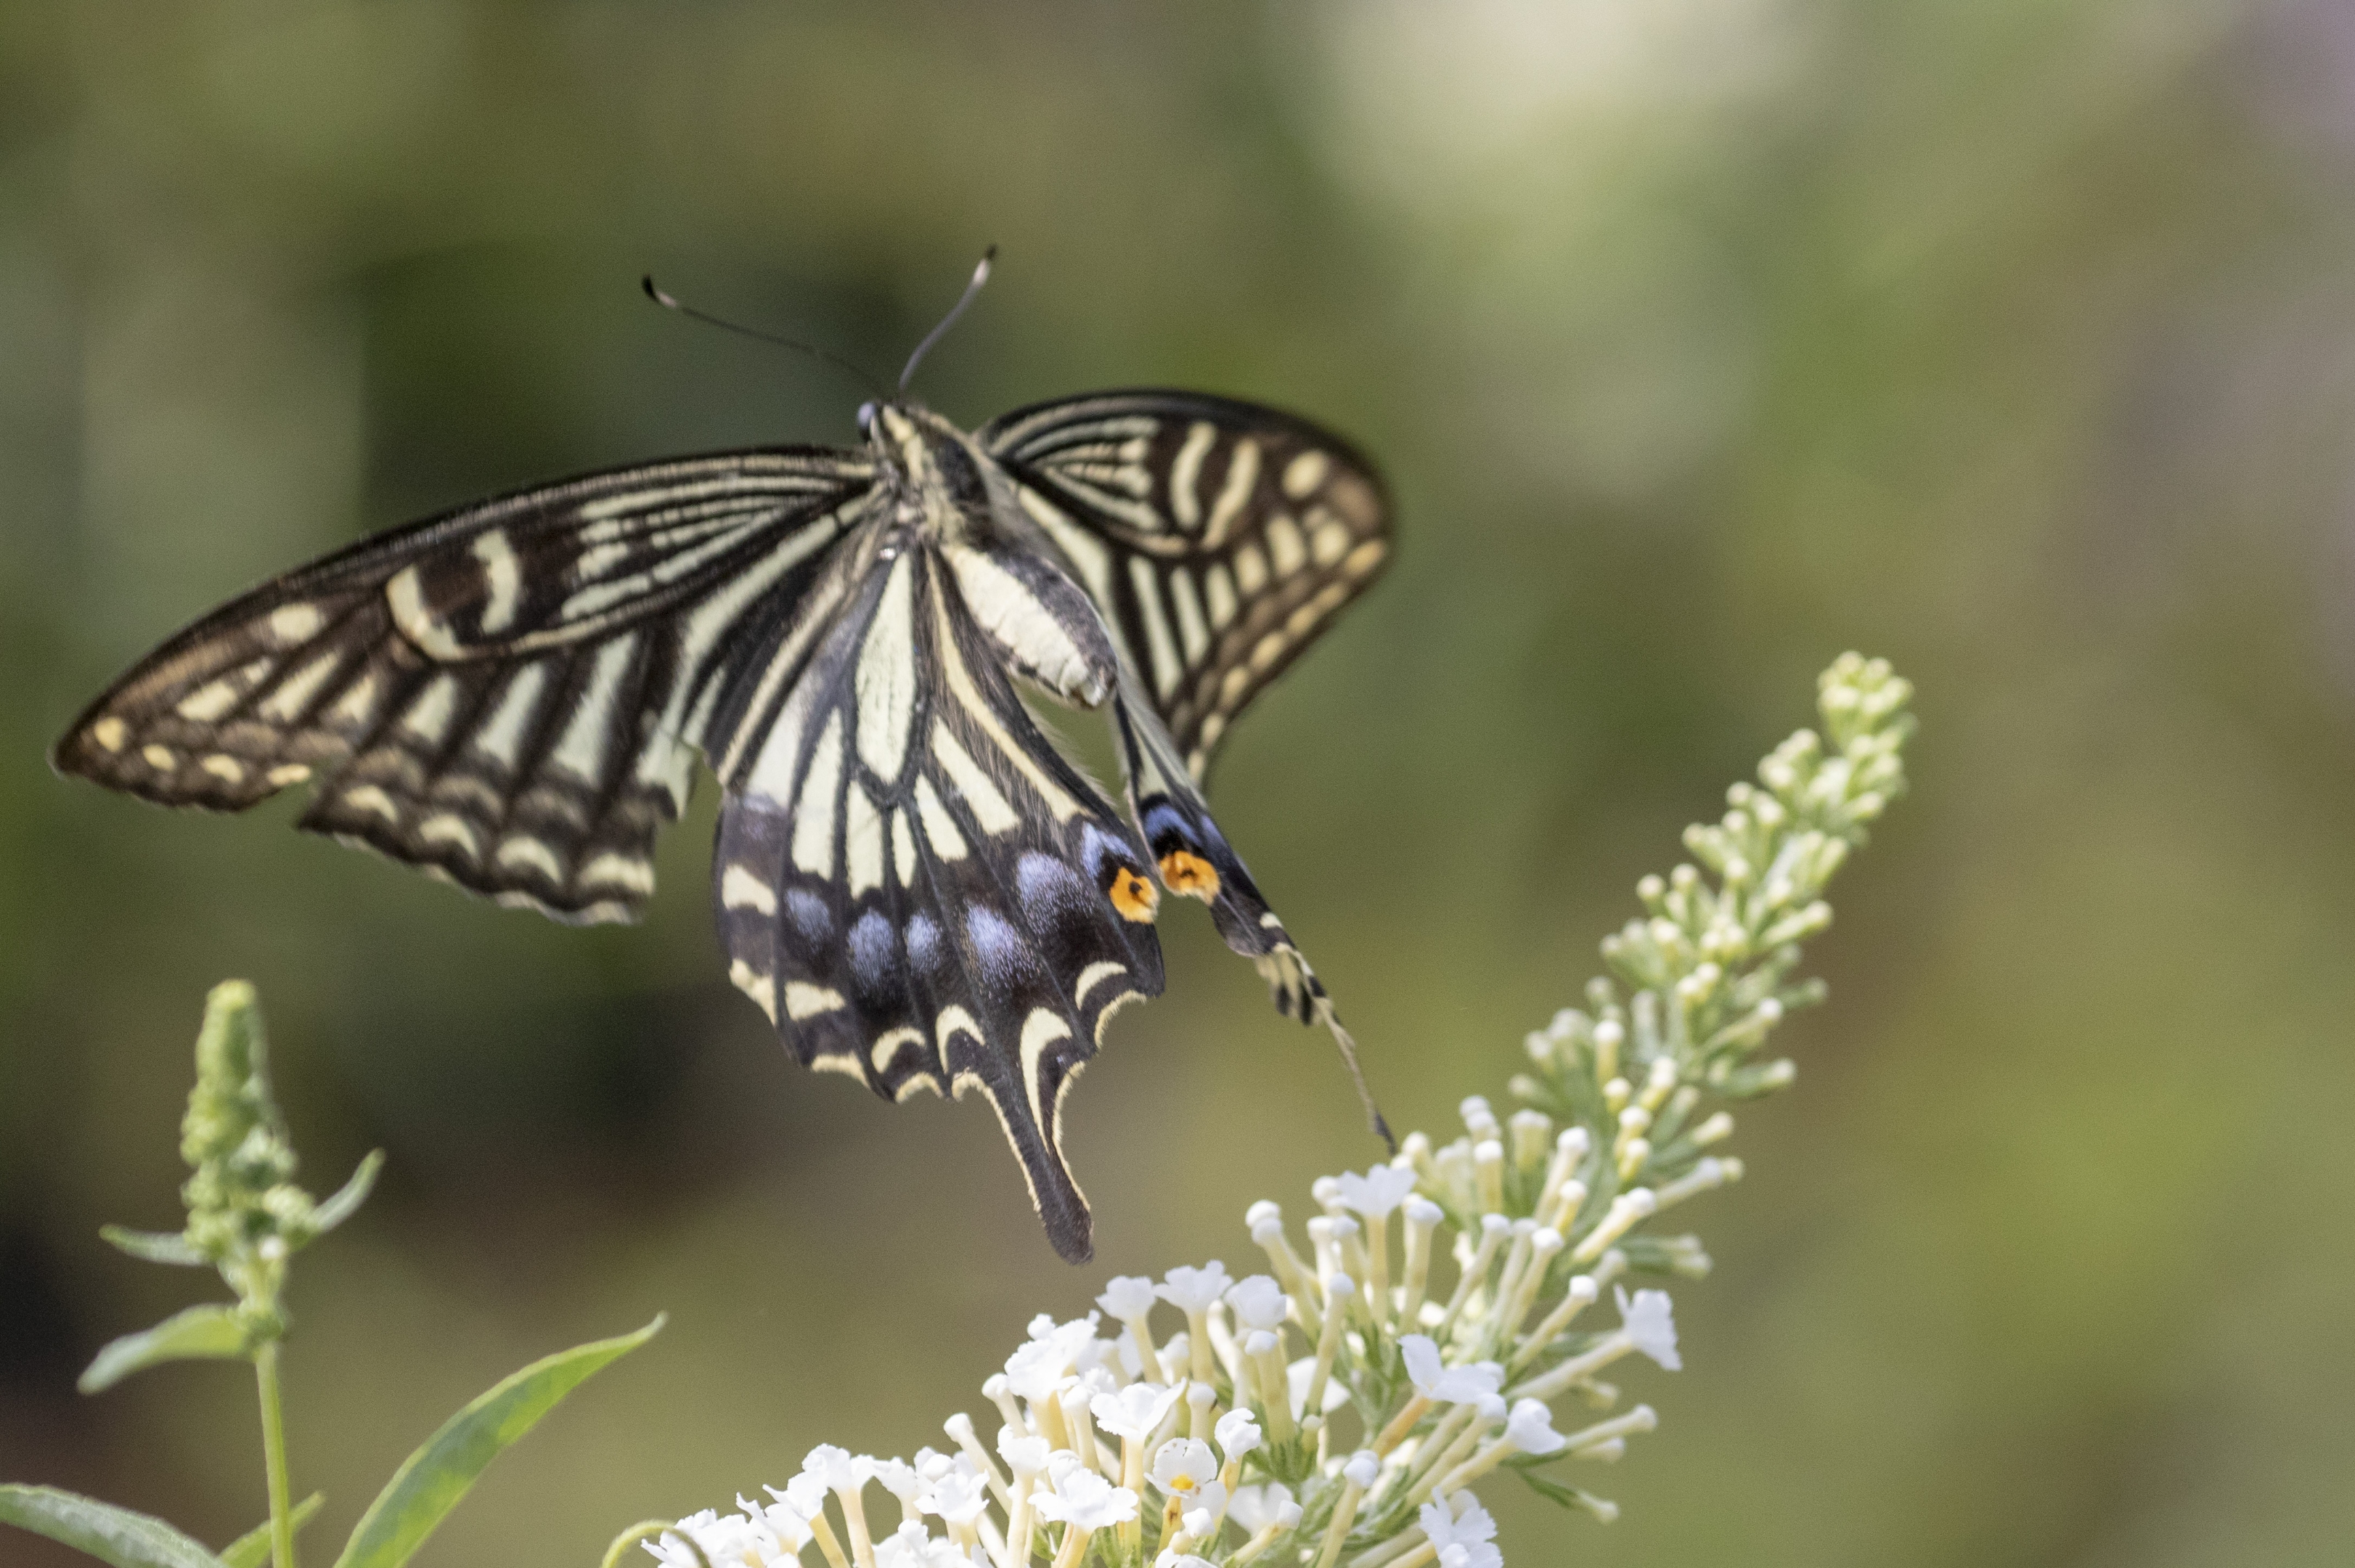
999 950
923 943
1051 893
875 958
811 920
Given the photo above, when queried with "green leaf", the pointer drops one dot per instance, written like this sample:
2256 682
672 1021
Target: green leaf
252 1549
1570 1496
349 1197
153 1246
207 1332
110 1534
429 1483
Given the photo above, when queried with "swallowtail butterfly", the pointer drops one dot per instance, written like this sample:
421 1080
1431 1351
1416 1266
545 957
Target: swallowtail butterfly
913 882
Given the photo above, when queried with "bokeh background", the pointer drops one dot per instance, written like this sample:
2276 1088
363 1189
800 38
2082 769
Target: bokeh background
1701 340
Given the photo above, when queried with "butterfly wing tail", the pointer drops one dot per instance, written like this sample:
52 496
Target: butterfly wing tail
1195 859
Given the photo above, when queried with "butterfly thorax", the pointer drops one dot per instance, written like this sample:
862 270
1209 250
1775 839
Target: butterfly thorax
944 493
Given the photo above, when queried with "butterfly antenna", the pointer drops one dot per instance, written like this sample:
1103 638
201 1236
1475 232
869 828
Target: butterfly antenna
670 303
980 276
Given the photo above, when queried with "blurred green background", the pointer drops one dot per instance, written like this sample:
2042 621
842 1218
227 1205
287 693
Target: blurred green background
1700 339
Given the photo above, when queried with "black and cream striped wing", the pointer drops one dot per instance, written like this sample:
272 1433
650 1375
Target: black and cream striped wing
508 696
912 881
1218 537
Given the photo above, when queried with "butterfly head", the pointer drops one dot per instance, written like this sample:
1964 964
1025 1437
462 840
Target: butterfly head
931 461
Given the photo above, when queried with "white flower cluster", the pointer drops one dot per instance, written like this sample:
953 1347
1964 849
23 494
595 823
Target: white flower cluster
1337 1411
1215 1442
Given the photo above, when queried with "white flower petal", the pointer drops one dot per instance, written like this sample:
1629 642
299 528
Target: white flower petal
1258 1302
1191 1290
1183 1465
1126 1295
1530 1428
1136 1411
1379 1190
1649 1320
1237 1433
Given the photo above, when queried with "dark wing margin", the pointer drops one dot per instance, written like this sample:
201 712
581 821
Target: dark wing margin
1218 537
912 881
508 696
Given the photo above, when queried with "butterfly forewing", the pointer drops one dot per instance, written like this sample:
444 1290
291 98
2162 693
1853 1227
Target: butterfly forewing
1218 537
913 883
508 696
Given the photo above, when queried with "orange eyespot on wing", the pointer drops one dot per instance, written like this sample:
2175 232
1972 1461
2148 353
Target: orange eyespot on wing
1133 897
1190 874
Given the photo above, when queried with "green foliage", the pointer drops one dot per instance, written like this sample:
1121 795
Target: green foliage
252 1549
247 1218
429 1483
113 1535
200 1333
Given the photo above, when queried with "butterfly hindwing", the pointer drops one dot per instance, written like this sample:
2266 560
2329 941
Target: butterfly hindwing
1218 537
508 696
912 881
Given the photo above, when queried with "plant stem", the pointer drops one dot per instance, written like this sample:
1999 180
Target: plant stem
273 1455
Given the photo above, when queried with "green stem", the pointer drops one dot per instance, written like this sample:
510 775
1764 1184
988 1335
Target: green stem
273 1454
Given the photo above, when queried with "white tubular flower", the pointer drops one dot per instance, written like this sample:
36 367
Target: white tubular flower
1530 1428
1649 1322
1459 1520
1183 1467
958 1496
1445 1384
1191 1290
1062 1462
1257 1508
672 1554
1259 1303
1085 1500
899 1478
1023 1456
1237 1433
910 1546
833 1469
1378 1191
1362 1469
1125 1296
1176 1359
805 1494
735 1542
1136 1413
789 1524
1210 1506
1034 1371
